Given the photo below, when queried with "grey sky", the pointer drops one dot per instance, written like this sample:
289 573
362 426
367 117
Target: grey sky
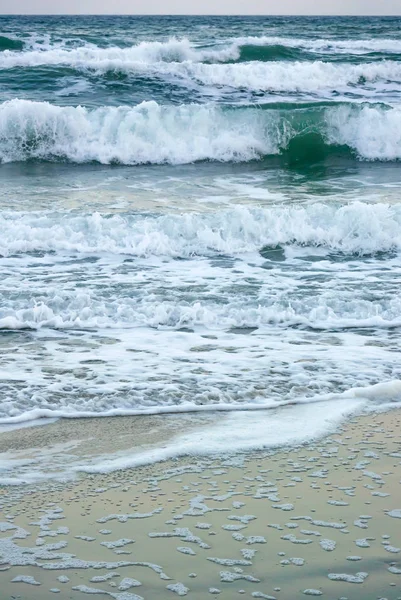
372 7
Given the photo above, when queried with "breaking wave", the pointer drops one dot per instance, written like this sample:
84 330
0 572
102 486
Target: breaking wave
150 133
182 62
91 56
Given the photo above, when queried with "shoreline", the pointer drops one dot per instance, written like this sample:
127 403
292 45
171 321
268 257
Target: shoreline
263 524
63 448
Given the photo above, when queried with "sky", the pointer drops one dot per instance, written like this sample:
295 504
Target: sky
274 7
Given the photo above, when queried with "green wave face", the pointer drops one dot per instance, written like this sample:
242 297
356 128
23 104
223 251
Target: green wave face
281 52
274 53
10 44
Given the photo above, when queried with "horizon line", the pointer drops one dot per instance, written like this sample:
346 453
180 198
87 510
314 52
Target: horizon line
193 15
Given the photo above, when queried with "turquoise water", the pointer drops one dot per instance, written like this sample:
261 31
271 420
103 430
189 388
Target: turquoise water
199 213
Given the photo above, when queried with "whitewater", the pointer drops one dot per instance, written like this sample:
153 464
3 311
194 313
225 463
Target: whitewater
201 222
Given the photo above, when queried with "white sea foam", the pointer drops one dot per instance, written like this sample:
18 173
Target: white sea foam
74 311
141 359
374 134
236 432
356 228
312 77
340 404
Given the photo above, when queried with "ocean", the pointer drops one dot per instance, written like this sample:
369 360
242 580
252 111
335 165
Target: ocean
200 215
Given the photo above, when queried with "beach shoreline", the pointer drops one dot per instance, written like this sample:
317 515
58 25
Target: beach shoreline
330 507
62 448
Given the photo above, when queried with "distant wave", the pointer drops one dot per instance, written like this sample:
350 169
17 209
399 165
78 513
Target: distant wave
313 77
272 52
177 61
324 46
153 134
248 48
91 56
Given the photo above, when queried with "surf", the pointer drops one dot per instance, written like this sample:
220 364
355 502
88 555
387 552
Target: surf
150 133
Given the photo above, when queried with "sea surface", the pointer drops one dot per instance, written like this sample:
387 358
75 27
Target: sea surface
200 214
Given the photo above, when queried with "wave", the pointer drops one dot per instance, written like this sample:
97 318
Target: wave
152 134
91 56
181 50
282 52
313 77
7 43
250 426
356 228
246 427
179 60
274 52
323 46
85 311
385 393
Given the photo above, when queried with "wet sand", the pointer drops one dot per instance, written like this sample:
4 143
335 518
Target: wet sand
322 519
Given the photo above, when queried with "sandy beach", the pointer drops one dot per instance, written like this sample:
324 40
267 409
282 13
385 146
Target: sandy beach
322 519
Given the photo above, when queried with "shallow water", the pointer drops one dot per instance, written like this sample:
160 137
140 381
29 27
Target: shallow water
199 213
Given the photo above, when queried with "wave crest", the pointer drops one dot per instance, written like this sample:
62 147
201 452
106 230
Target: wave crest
91 56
